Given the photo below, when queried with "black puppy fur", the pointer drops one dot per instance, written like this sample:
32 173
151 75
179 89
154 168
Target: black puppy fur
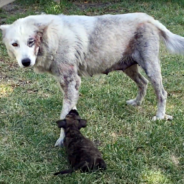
82 154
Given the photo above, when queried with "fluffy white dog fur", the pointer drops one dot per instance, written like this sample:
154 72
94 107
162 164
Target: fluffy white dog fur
71 46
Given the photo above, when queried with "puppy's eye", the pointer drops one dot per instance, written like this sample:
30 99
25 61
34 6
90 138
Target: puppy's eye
15 44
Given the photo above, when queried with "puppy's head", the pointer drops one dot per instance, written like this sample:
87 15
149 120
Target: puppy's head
23 39
72 120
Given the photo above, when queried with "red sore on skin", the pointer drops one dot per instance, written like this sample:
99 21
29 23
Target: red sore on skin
67 69
38 38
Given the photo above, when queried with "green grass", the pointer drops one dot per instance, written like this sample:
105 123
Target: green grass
136 150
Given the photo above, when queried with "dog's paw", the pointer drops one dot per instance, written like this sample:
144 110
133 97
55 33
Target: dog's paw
133 102
155 118
166 117
59 142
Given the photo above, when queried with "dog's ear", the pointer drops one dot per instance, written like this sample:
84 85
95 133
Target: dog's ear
41 32
4 28
61 123
42 28
82 123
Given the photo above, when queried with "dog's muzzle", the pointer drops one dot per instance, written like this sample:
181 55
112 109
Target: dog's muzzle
26 62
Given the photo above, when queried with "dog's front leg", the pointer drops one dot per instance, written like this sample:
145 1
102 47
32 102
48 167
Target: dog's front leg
70 86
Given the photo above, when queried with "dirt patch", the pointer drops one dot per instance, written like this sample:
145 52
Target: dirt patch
12 8
86 5
15 9
98 7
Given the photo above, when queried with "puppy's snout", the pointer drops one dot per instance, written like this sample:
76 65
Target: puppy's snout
26 62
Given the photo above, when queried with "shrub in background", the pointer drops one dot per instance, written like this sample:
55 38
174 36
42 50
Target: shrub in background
41 2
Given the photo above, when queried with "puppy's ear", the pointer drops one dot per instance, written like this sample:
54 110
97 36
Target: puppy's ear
61 123
83 123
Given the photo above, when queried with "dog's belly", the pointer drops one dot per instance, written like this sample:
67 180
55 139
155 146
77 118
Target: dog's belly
107 67
122 65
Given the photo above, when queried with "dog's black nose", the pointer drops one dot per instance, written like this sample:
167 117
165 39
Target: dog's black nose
26 62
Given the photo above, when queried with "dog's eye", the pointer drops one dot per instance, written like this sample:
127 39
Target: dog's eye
30 43
15 44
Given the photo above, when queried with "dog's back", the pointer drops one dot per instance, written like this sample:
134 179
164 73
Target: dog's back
82 154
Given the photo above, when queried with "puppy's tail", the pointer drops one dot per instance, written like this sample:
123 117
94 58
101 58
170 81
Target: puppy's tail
68 171
173 42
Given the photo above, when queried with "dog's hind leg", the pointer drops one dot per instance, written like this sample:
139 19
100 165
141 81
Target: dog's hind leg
133 73
153 72
146 51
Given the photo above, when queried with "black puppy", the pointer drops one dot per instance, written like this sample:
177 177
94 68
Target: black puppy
82 154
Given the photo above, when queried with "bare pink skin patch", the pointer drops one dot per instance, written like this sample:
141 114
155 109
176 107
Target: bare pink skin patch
38 38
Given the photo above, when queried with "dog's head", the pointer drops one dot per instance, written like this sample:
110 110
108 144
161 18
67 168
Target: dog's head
72 120
23 39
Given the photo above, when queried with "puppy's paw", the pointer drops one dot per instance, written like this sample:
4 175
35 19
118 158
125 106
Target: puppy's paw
59 142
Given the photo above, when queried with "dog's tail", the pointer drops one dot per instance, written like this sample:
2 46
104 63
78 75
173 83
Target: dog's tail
173 42
68 171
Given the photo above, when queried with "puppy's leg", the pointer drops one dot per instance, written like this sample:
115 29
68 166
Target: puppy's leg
133 73
100 164
70 87
68 171
84 166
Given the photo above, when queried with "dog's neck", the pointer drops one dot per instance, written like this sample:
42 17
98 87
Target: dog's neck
44 60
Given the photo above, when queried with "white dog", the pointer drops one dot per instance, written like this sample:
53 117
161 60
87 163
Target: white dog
71 46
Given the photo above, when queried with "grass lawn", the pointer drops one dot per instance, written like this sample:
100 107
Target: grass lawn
136 150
